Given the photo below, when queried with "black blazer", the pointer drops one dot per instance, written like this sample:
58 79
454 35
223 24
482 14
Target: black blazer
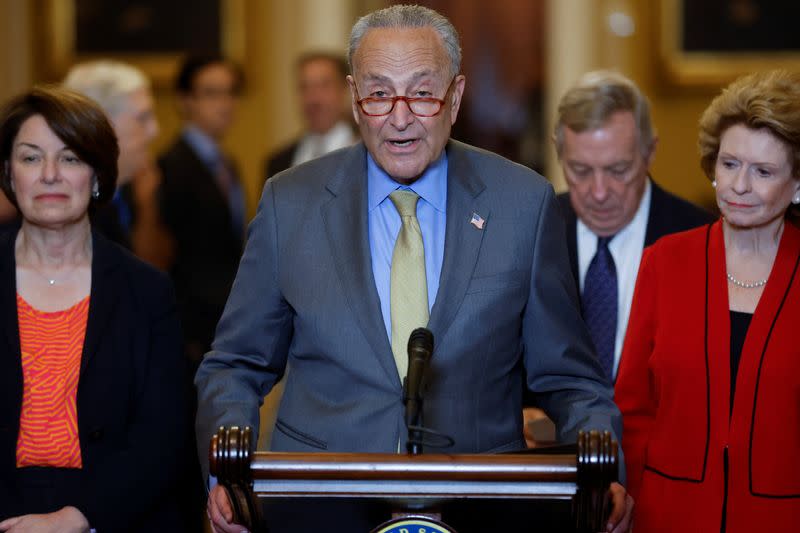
280 160
131 398
207 248
668 214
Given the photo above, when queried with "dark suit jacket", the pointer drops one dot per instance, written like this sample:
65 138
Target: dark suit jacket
207 247
668 214
105 220
280 160
130 402
305 293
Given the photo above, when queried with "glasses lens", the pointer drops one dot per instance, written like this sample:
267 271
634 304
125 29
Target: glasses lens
424 107
377 106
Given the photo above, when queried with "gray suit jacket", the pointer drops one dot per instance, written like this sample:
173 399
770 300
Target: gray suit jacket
506 314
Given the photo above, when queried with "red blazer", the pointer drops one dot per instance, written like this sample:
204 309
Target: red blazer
673 390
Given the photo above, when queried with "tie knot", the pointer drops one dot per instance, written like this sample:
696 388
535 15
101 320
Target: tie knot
603 242
405 202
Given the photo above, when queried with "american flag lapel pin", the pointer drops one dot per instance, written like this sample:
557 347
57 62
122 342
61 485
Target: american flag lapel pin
477 220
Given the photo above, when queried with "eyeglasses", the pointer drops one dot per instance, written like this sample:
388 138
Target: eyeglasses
374 106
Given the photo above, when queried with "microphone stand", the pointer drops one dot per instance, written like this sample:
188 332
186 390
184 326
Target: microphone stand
420 348
414 421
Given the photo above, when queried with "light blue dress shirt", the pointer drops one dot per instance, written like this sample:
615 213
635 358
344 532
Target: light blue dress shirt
385 223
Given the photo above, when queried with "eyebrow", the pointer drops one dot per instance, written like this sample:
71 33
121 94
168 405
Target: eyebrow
37 147
759 163
385 79
29 145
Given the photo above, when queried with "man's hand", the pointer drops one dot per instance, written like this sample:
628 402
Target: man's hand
621 509
65 520
220 512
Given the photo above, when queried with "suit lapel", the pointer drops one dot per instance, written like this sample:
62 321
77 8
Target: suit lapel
758 341
205 183
104 295
656 217
462 239
10 358
346 222
8 293
571 223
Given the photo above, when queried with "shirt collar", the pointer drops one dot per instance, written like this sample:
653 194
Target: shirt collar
203 145
339 135
431 186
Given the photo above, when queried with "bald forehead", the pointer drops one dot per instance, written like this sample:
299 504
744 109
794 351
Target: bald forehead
412 52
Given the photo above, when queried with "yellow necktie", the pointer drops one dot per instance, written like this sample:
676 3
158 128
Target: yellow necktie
409 287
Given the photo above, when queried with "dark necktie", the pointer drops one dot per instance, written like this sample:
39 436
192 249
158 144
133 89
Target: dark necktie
232 190
599 303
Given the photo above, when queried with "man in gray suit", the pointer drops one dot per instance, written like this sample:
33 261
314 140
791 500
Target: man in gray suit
318 285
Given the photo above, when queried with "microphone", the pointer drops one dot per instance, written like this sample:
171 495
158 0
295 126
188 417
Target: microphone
420 348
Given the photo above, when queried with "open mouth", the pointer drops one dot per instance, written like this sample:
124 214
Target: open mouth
402 143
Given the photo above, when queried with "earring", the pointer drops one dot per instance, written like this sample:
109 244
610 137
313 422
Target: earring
796 200
714 184
95 189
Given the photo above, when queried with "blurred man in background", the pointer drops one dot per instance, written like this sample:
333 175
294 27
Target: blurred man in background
123 92
201 198
322 88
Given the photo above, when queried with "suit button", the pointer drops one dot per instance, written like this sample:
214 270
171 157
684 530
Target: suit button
96 434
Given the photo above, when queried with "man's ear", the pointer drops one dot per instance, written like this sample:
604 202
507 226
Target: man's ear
351 83
651 153
182 103
455 98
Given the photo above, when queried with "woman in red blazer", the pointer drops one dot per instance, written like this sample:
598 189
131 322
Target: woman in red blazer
709 381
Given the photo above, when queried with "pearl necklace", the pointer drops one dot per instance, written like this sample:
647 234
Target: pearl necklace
742 284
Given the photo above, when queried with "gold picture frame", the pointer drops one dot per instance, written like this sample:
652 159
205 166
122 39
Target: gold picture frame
54 32
707 69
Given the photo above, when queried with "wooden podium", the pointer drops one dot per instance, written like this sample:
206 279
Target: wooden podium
419 485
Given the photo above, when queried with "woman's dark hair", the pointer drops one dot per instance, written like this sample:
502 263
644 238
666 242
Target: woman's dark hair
75 119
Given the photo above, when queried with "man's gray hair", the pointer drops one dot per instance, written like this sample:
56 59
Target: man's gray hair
408 16
106 82
597 95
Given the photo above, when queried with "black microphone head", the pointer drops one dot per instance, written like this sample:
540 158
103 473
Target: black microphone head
421 338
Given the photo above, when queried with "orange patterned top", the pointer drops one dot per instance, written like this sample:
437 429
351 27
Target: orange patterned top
51 344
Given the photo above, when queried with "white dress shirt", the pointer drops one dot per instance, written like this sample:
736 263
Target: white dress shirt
626 249
314 145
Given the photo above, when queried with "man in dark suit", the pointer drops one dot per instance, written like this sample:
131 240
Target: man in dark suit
605 142
202 207
351 251
201 198
322 90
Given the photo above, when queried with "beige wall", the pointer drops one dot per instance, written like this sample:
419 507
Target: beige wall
589 43
276 31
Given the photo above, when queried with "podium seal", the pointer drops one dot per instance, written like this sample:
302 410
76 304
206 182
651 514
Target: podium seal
415 524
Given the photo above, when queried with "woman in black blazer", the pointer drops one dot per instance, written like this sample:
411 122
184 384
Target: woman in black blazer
127 409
